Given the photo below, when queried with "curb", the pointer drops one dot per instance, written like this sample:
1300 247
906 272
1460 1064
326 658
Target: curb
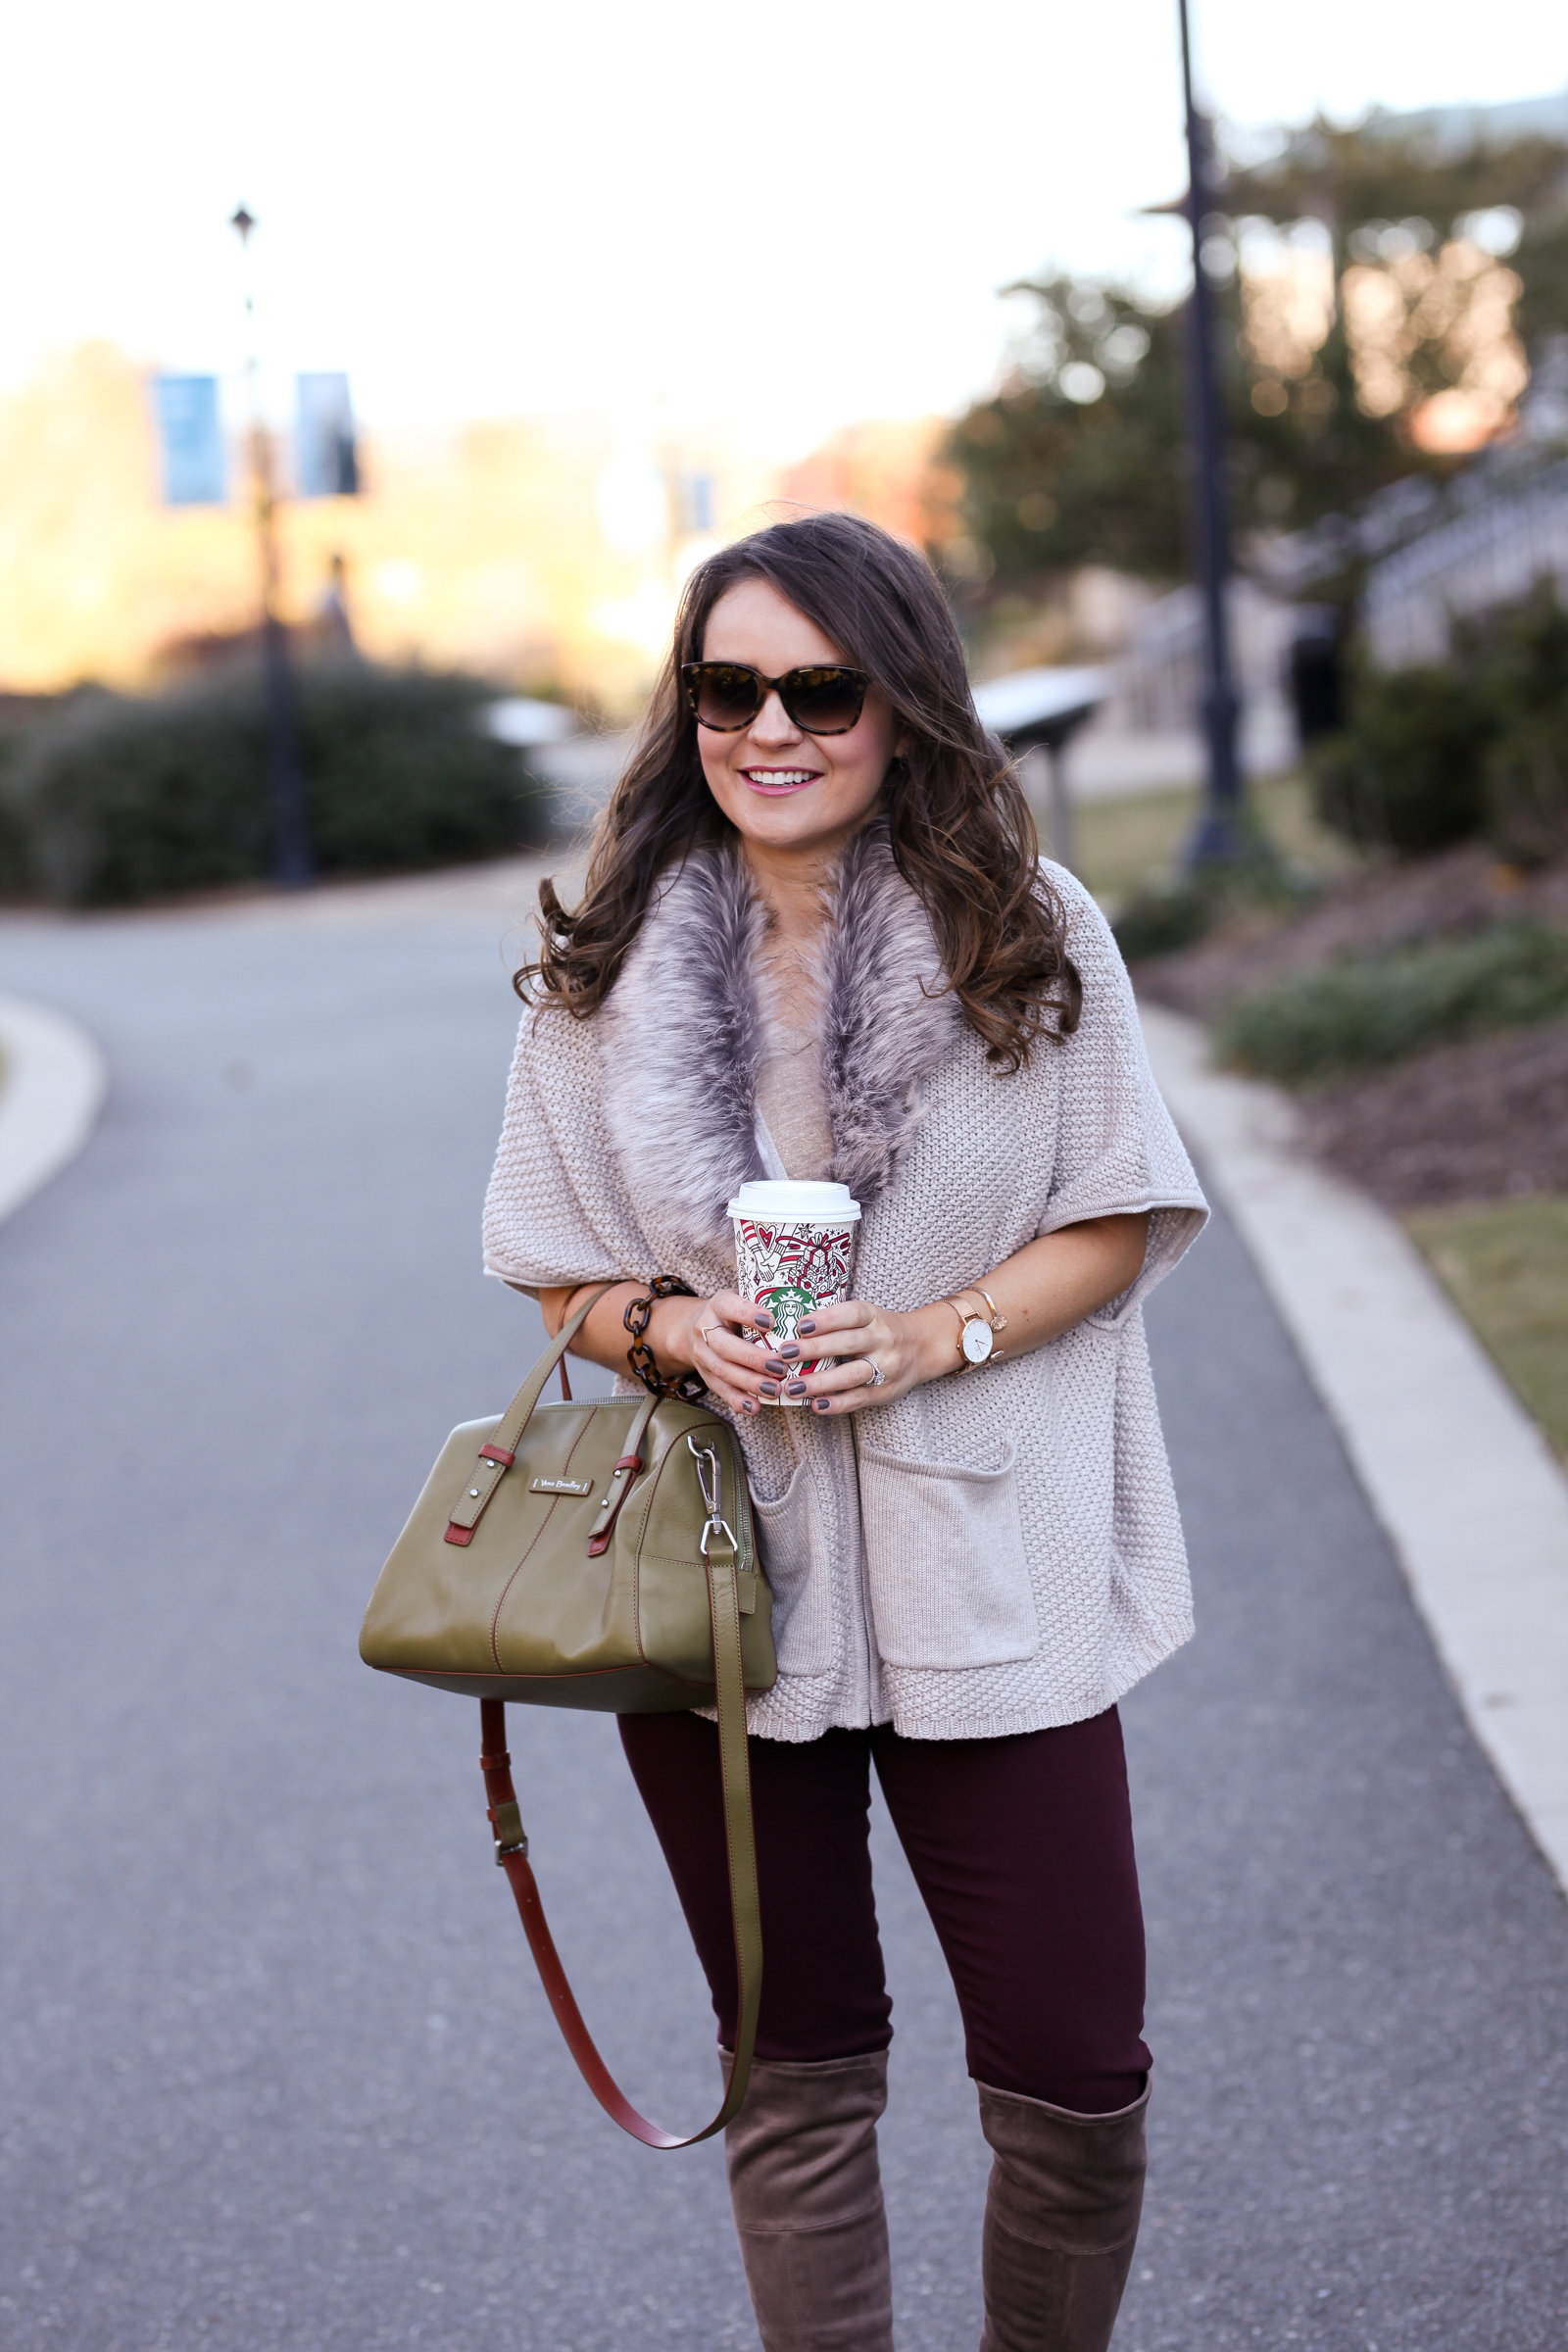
51 1093
1462 1481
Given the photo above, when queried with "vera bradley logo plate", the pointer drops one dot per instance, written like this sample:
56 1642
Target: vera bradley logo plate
560 1486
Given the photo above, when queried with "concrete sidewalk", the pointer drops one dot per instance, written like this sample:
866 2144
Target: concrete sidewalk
1466 1487
52 1085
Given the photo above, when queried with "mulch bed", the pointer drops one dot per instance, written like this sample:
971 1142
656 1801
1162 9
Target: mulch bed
1484 1120
1480 1121
1363 915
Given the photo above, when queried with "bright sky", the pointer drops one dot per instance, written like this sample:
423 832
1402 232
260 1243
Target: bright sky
783 217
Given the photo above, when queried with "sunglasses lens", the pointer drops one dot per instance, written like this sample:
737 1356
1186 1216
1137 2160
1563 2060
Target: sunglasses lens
826 702
725 697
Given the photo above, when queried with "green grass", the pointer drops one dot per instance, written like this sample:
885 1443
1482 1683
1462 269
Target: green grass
1361 1015
1505 1267
1123 846
1118 845
1285 805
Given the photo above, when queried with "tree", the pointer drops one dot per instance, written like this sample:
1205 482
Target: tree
1072 461
1379 292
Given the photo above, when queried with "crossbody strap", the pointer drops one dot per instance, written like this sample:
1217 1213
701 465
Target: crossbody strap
511 1853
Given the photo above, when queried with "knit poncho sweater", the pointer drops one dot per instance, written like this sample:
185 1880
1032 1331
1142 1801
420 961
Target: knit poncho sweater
998 1550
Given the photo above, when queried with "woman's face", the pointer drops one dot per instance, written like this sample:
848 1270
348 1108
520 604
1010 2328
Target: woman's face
780 787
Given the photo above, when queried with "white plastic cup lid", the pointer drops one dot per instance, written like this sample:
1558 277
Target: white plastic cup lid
781 1200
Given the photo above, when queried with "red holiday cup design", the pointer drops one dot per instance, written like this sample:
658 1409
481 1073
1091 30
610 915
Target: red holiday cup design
793 1264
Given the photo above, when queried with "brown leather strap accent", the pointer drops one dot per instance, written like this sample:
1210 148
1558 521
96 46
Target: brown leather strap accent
496 1456
511 1853
621 1480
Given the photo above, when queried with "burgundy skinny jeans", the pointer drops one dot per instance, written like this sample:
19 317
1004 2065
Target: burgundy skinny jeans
1022 1850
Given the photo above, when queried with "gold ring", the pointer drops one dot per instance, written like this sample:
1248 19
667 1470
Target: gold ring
702 1329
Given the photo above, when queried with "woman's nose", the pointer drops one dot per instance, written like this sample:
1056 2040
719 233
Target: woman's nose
773 723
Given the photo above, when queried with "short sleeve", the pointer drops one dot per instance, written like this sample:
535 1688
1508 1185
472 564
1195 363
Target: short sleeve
554 1211
1117 1150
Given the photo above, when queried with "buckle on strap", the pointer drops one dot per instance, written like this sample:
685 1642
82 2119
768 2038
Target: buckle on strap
511 1836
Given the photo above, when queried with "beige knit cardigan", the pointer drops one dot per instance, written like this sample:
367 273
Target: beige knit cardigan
998 1550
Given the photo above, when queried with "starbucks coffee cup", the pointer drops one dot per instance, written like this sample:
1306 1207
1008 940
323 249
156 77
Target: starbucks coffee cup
794 1248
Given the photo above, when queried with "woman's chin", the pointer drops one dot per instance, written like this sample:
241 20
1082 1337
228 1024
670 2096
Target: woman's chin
802 820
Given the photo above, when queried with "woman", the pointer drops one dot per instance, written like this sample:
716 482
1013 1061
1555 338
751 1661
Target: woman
816 941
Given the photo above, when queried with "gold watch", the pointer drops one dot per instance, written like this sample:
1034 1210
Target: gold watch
977 1334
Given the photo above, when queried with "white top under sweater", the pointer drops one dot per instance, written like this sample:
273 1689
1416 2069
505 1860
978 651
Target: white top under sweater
995 1551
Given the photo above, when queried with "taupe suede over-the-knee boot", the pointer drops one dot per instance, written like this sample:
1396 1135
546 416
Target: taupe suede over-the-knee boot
1061 2221
807 2193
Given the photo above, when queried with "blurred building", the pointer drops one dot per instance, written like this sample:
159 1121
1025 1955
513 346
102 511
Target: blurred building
886 469
537 550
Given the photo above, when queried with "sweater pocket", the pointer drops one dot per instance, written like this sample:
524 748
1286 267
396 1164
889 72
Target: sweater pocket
946 1560
789 1537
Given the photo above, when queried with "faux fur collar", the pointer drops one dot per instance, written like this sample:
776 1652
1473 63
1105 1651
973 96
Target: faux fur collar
685 1034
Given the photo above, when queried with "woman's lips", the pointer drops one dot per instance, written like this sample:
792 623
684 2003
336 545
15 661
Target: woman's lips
776 782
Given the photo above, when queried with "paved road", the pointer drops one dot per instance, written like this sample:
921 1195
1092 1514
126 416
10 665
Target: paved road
275 2073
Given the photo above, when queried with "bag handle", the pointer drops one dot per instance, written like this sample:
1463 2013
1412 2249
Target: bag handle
500 1449
721 1556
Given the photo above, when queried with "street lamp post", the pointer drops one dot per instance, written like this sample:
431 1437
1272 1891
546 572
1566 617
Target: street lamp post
1218 834
292 864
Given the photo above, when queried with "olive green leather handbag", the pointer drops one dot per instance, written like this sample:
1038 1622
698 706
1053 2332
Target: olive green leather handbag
592 1554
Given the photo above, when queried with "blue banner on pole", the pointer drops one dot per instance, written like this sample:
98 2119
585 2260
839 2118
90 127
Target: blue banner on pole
325 462
191 440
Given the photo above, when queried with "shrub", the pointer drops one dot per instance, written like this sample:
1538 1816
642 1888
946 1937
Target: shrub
122 799
1527 792
1162 922
1165 916
1408 772
15 862
1357 1015
1520 655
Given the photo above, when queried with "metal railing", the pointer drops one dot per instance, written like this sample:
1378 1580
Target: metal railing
1492 552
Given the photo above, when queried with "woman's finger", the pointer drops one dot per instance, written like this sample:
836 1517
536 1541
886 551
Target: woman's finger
861 1392
731 1307
839 1378
721 1383
723 1340
847 1314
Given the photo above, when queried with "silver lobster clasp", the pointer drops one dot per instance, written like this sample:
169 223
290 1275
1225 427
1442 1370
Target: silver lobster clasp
709 1478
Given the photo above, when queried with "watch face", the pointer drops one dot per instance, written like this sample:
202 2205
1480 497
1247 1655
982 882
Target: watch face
978 1340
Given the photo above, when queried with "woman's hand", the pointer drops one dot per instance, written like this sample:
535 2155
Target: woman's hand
686 1335
705 1335
867 1340
708 1336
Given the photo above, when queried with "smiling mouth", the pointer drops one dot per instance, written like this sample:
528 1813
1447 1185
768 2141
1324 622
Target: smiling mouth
779 780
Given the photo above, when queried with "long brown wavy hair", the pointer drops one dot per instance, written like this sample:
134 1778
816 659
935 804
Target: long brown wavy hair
961 832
